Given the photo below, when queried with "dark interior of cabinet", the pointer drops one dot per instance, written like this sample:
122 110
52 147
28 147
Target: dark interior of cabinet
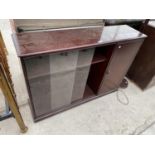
98 67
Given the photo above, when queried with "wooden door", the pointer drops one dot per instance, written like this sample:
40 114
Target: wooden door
121 59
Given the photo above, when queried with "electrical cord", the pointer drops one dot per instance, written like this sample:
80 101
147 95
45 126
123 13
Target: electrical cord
124 84
118 96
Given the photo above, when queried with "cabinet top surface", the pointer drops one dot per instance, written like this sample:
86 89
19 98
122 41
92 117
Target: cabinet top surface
39 42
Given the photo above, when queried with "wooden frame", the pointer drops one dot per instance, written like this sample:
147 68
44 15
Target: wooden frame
6 85
7 91
3 60
2 44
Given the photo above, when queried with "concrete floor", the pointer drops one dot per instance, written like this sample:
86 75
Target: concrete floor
105 115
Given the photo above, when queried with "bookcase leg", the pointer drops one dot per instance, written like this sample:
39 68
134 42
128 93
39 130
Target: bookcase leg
4 85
